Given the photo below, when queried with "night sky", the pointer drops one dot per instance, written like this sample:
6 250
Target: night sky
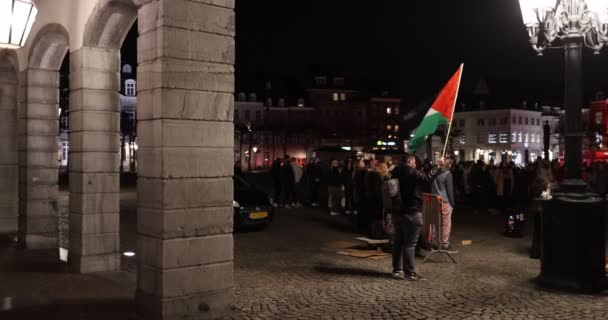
411 48
418 46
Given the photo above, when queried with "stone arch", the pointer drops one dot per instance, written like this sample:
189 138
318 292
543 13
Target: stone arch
186 100
109 24
38 136
94 154
49 47
9 173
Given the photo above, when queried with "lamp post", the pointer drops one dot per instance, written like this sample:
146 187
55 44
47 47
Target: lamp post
16 20
572 222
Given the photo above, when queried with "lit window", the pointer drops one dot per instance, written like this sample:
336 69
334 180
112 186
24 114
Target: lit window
492 137
342 96
598 117
519 136
526 138
463 139
336 96
504 137
388 110
514 136
389 127
396 127
130 88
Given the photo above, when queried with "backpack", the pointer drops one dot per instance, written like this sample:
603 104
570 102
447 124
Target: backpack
390 194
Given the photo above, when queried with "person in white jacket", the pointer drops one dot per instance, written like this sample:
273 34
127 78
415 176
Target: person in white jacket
297 172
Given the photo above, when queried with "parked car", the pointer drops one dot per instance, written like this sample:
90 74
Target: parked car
252 206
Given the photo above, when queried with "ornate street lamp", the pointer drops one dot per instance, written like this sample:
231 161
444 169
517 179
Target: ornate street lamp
568 25
16 20
572 239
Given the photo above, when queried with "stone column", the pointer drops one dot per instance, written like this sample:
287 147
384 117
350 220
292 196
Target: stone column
185 132
94 160
38 158
9 166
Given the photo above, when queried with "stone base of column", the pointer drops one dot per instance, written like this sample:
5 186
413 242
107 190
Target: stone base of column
202 306
38 241
96 263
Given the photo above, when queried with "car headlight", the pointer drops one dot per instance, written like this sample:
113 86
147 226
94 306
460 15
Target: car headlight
235 204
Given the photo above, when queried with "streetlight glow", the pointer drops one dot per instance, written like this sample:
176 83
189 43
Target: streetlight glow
16 20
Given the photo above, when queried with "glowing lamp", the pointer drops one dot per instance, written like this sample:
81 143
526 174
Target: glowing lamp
16 20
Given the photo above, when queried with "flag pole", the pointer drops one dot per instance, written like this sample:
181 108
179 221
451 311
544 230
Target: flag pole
447 136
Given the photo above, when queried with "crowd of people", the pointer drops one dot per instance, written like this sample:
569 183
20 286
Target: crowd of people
377 191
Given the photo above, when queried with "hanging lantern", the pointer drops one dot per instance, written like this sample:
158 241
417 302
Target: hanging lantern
16 20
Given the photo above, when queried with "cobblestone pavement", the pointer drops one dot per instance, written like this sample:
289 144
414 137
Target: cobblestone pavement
291 271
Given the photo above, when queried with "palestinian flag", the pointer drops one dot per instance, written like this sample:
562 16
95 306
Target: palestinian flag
441 111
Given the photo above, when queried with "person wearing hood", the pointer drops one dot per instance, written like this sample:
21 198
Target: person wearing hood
443 186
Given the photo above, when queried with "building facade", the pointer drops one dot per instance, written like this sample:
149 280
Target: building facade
264 132
384 123
497 135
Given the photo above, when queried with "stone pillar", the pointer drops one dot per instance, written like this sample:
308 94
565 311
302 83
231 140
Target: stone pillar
38 158
94 160
185 132
9 166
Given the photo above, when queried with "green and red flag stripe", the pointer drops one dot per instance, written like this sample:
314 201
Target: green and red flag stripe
441 111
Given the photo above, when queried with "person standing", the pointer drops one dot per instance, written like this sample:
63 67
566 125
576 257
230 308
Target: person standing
349 186
275 173
288 183
335 181
408 223
313 172
374 203
443 186
297 174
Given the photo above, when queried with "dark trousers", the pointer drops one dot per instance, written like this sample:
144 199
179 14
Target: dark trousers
314 191
277 190
288 194
407 230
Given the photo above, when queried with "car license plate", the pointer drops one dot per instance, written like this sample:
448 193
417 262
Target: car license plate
258 215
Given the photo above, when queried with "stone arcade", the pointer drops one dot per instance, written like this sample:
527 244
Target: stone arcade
185 110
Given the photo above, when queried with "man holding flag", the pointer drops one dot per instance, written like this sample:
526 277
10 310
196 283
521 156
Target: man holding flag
408 222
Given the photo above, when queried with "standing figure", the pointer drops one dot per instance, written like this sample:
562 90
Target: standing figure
288 183
335 182
275 173
313 171
443 186
408 224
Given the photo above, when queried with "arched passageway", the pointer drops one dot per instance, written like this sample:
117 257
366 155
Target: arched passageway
185 138
38 128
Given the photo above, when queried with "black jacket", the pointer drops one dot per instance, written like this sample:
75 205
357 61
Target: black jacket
335 178
411 183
